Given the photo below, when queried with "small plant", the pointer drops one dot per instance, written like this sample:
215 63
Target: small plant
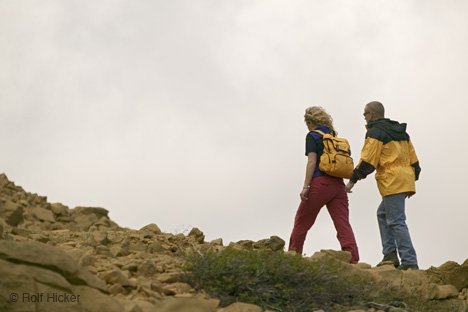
280 281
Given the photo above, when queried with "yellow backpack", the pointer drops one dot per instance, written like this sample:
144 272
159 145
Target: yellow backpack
336 158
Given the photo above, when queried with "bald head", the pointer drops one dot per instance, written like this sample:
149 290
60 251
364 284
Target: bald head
376 108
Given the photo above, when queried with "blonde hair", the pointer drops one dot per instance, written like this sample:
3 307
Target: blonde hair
318 116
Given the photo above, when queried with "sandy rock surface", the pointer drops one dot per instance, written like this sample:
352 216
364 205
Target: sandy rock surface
56 258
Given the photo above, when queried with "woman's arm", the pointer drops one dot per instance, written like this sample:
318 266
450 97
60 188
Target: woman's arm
310 168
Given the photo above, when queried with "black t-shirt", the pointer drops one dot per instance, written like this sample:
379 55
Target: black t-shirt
314 144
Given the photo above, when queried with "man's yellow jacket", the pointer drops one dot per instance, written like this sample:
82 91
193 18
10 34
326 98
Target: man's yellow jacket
388 149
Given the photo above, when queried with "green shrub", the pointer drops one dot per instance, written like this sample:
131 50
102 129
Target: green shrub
280 281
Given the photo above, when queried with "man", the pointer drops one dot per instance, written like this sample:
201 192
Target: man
388 149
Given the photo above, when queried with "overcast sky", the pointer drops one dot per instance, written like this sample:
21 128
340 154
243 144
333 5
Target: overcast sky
190 113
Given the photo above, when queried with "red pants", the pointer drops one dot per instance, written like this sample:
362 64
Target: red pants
329 191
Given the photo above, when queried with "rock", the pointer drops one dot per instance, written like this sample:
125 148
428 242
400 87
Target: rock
48 278
454 274
242 244
217 242
54 259
33 286
324 254
274 243
119 251
197 234
85 221
138 305
100 237
87 260
147 268
21 232
439 292
85 217
116 277
363 266
177 288
95 301
11 212
98 212
43 238
43 214
115 237
143 268
153 228
155 247
58 209
241 307
116 289
185 305
169 277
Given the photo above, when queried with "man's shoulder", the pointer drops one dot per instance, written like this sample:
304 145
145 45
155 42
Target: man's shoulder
376 133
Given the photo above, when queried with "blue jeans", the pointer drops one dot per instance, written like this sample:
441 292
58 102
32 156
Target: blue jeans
393 229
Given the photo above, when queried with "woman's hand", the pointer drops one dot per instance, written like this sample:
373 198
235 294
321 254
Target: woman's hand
304 194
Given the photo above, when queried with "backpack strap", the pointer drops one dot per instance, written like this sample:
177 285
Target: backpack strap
332 133
319 132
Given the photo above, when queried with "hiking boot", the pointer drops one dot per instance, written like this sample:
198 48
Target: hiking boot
391 259
405 267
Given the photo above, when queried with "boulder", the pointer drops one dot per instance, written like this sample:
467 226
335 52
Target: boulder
450 273
242 244
116 277
43 214
241 307
58 209
274 243
332 255
439 292
186 305
153 228
11 212
97 211
40 277
37 254
197 235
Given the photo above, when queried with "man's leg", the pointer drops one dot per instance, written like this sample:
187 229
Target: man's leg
394 206
386 235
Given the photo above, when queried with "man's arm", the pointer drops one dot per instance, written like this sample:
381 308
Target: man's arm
414 161
370 156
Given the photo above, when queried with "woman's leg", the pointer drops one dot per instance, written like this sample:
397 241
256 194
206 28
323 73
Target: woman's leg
339 212
307 212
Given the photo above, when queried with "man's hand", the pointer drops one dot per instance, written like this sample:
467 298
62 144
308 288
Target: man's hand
349 187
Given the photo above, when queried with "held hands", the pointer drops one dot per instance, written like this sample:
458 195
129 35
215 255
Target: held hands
349 187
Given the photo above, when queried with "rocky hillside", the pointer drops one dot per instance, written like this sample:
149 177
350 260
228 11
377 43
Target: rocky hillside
54 258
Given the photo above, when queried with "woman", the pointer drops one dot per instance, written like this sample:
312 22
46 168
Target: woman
321 190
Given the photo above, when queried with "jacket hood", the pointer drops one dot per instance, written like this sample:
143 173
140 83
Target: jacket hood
393 128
